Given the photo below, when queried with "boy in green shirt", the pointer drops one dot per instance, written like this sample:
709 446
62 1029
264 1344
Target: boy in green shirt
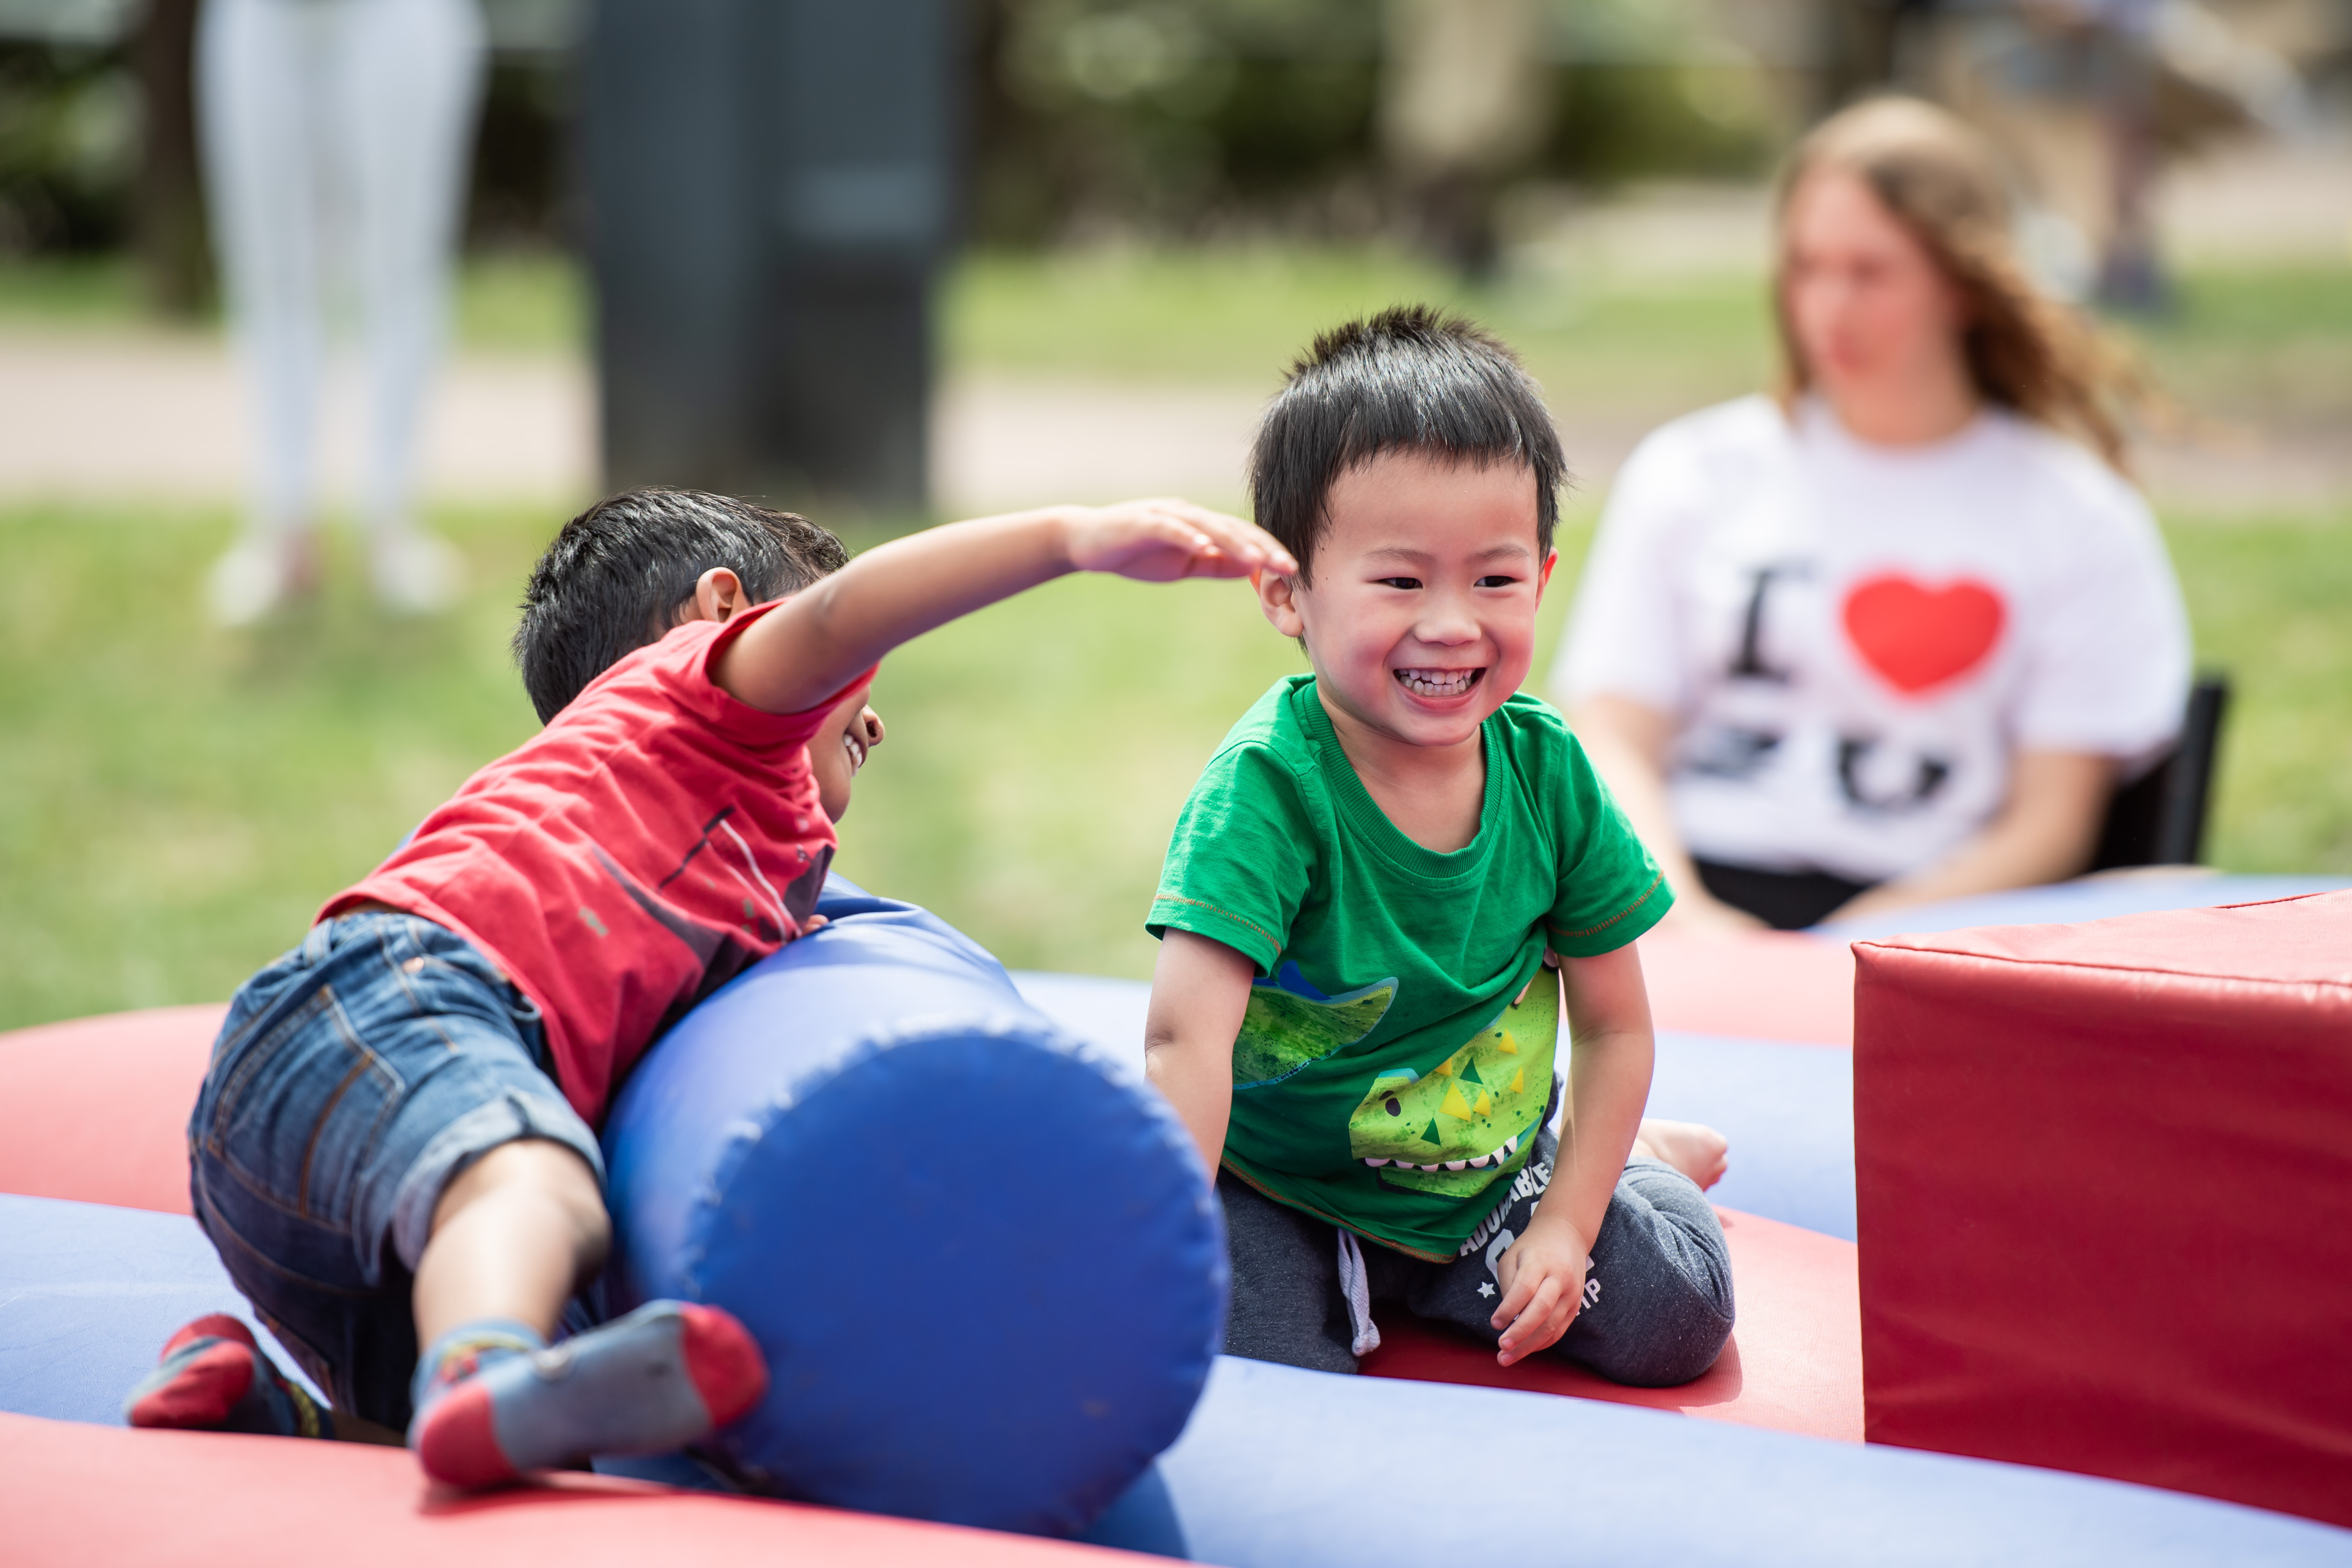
1356 1005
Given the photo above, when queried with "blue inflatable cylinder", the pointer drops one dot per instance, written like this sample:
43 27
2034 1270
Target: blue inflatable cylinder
983 1259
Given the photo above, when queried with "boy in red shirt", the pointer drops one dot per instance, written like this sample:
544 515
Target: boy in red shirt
393 1144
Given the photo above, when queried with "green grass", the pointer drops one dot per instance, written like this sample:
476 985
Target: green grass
2262 344
2270 344
1240 316
1227 316
2272 603
175 801
527 301
69 293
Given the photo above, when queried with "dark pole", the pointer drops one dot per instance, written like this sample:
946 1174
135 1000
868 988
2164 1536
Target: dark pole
769 196
170 220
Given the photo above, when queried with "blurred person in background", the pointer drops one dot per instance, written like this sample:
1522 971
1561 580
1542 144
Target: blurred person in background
1894 635
335 141
1465 95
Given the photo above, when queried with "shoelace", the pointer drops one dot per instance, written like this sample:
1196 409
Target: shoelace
1356 1285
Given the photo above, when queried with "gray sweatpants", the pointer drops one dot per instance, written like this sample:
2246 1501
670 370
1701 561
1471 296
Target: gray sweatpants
1657 1296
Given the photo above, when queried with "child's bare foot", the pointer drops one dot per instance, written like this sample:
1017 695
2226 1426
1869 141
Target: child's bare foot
1698 1151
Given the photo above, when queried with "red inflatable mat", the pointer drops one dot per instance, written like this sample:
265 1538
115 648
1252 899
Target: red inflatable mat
97 1109
1794 1362
80 1494
1756 985
2104 1177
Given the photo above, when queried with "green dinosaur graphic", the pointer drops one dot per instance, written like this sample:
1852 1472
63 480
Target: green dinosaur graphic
1282 1031
1472 1118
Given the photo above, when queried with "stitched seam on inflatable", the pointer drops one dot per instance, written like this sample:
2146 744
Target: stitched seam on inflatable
1621 914
2343 985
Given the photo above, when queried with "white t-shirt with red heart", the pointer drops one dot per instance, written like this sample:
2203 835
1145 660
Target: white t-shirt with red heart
1855 641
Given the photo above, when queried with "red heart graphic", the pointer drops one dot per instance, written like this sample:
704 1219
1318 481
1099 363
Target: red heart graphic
1918 636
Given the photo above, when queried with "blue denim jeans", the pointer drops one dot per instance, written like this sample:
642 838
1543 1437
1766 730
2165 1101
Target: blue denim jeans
351 1080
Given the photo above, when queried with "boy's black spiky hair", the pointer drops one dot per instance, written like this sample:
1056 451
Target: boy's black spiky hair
1410 379
617 575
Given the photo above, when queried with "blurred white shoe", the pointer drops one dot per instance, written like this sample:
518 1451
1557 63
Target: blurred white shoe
416 573
260 573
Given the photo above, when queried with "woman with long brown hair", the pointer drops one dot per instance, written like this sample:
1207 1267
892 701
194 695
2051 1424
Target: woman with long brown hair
1893 635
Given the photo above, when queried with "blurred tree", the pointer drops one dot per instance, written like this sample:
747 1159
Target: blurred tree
1173 116
98 144
1465 96
69 133
173 253
1188 119
1342 118
523 181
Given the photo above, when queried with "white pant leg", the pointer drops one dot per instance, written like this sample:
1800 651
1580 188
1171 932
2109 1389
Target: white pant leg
408 77
259 106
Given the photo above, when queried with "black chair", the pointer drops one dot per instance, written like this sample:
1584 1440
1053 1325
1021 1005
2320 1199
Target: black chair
2158 818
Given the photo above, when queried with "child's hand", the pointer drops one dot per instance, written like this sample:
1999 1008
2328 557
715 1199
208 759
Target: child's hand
1542 1277
1163 539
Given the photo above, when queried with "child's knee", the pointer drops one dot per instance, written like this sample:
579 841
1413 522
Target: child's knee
1660 1299
1665 1351
1656 1326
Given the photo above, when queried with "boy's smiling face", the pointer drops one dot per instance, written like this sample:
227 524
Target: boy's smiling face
1421 620
851 730
839 748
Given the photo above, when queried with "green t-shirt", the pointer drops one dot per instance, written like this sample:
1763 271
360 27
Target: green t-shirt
1396 1058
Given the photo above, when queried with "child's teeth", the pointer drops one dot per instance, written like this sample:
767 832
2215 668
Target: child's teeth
1438 682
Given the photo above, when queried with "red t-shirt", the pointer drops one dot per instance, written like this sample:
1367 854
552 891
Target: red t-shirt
656 838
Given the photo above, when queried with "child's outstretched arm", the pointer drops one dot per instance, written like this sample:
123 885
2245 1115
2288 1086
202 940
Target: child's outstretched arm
1200 989
815 644
1610 1061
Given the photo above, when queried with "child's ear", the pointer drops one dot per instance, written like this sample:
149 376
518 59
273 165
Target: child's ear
1277 599
1543 574
719 593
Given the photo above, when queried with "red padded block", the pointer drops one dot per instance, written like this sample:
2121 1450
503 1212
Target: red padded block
2105 1175
97 1109
1794 1362
1760 985
79 1495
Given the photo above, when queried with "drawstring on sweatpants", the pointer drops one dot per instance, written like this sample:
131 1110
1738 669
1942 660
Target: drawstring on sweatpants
1356 1286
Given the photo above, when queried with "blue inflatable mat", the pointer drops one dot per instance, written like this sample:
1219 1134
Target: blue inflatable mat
1787 1110
1283 1468
1302 1469
2086 898
88 1293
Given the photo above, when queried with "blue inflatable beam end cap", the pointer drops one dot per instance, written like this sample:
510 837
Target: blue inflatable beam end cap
985 1266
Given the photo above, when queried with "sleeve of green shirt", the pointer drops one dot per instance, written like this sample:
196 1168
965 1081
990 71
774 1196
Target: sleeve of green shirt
1610 891
1237 863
